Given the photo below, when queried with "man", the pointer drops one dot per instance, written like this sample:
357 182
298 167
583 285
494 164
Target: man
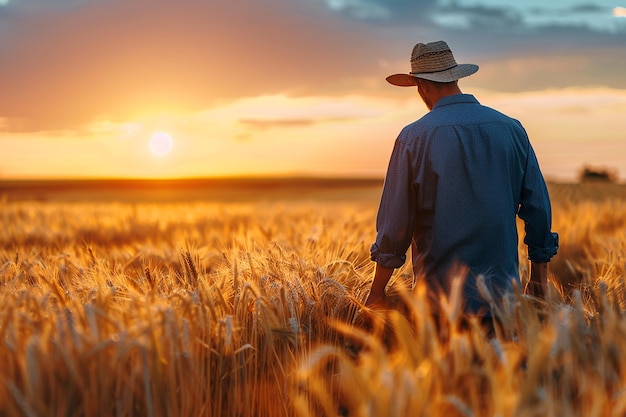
456 180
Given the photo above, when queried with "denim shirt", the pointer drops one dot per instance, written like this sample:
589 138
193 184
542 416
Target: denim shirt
456 181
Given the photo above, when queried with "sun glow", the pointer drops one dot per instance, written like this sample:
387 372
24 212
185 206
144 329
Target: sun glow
161 143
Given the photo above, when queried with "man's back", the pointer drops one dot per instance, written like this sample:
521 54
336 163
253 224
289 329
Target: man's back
469 165
466 164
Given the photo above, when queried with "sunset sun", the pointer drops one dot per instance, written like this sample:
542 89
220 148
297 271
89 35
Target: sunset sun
161 143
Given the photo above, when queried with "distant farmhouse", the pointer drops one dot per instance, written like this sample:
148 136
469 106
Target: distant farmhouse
595 174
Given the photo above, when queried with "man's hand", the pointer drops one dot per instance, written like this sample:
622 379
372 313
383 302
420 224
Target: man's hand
377 298
538 284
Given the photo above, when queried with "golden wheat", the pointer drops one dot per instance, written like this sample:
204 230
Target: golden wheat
253 309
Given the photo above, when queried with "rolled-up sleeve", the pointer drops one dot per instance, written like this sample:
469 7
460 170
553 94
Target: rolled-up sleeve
536 212
396 213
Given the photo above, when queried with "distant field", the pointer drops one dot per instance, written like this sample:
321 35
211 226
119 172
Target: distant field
248 189
586 191
210 189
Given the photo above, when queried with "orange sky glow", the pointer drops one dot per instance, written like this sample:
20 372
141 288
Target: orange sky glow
288 88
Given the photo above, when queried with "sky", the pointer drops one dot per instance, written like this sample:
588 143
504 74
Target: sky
293 87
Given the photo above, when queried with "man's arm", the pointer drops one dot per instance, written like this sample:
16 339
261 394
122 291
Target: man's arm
394 223
538 284
377 298
535 210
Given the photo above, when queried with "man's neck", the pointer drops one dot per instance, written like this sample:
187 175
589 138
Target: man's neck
449 90
437 94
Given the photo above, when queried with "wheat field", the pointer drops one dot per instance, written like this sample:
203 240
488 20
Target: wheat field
253 308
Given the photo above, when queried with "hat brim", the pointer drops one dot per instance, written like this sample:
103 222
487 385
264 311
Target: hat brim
449 75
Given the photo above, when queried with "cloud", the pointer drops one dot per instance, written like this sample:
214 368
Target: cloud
546 68
619 12
588 8
119 59
42 6
263 124
390 11
359 9
260 114
266 124
592 16
479 16
485 15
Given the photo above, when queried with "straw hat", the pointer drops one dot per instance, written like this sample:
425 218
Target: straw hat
432 61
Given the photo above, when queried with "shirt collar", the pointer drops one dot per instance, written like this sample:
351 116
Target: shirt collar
456 99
